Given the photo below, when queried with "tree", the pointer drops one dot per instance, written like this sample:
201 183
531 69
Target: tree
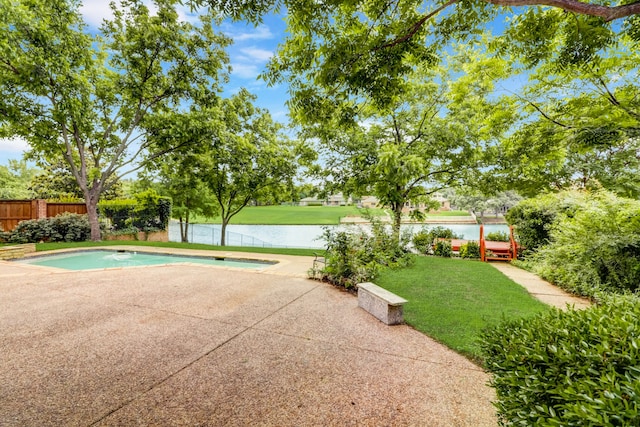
87 100
581 121
14 180
434 137
338 51
176 179
246 156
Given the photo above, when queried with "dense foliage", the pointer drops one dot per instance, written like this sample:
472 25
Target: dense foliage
358 255
425 239
67 227
532 218
470 249
146 212
594 247
569 368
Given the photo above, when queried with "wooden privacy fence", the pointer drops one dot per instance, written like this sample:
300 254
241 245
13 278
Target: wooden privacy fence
14 211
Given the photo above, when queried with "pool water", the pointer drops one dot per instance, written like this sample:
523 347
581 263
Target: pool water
88 260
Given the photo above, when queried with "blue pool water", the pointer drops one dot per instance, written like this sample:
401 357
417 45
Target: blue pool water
88 260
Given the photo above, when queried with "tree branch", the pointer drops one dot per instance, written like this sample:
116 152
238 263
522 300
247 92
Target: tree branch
608 13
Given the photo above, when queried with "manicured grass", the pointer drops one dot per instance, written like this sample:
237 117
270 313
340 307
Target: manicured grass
291 215
280 251
453 300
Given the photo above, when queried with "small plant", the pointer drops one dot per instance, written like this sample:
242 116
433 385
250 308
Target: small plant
443 248
497 236
470 250
357 256
425 240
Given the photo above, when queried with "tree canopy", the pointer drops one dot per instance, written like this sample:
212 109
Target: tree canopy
87 100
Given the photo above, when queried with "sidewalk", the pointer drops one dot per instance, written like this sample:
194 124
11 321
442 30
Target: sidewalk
544 291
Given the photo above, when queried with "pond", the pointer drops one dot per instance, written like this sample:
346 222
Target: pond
298 236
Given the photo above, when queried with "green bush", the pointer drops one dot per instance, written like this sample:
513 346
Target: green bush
358 256
119 212
66 227
470 249
533 218
443 248
568 368
148 211
497 236
595 249
424 240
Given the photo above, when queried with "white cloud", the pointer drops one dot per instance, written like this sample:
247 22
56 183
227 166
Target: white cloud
14 145
244 70
95 11
262 32
256 54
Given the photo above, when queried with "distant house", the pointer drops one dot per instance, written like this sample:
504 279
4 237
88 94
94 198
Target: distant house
311 201
337 200
369 202
445 205
333 200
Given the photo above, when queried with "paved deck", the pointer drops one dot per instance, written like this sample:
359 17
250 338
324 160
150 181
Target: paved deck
199 345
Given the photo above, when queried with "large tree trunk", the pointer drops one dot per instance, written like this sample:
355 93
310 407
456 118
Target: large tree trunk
91 202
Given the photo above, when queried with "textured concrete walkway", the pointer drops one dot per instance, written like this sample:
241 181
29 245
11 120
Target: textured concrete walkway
187 345
544 291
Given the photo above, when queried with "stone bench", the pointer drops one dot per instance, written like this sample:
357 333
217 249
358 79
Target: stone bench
384 305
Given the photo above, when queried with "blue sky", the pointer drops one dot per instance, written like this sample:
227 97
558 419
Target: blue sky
249 53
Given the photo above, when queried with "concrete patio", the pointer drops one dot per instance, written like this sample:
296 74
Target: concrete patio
197 345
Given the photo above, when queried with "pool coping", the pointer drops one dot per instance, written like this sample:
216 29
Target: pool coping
287 265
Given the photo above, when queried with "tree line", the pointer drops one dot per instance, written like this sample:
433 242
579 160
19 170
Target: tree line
398 99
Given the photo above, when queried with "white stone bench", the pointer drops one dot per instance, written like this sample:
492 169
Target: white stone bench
384 305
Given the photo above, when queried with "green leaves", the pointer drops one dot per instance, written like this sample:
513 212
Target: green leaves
571 368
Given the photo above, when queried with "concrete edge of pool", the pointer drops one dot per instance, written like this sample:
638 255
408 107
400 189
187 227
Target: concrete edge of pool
287 265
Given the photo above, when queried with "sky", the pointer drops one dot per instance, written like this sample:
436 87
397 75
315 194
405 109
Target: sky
251 50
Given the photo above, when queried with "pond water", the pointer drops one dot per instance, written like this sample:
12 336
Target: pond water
298 236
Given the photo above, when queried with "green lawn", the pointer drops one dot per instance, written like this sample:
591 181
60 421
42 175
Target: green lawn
291 215
281 251
453 300
303 215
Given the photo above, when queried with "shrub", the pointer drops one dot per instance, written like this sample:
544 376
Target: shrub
497 236
533 218
358 256
595 249
470 249
424 240
66 227
443 248
147 212
570 368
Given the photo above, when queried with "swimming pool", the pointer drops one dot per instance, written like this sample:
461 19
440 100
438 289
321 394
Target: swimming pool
95 259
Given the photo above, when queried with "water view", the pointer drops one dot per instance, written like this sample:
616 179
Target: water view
298 236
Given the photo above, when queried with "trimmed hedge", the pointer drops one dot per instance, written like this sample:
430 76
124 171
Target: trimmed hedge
148 211
568 368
